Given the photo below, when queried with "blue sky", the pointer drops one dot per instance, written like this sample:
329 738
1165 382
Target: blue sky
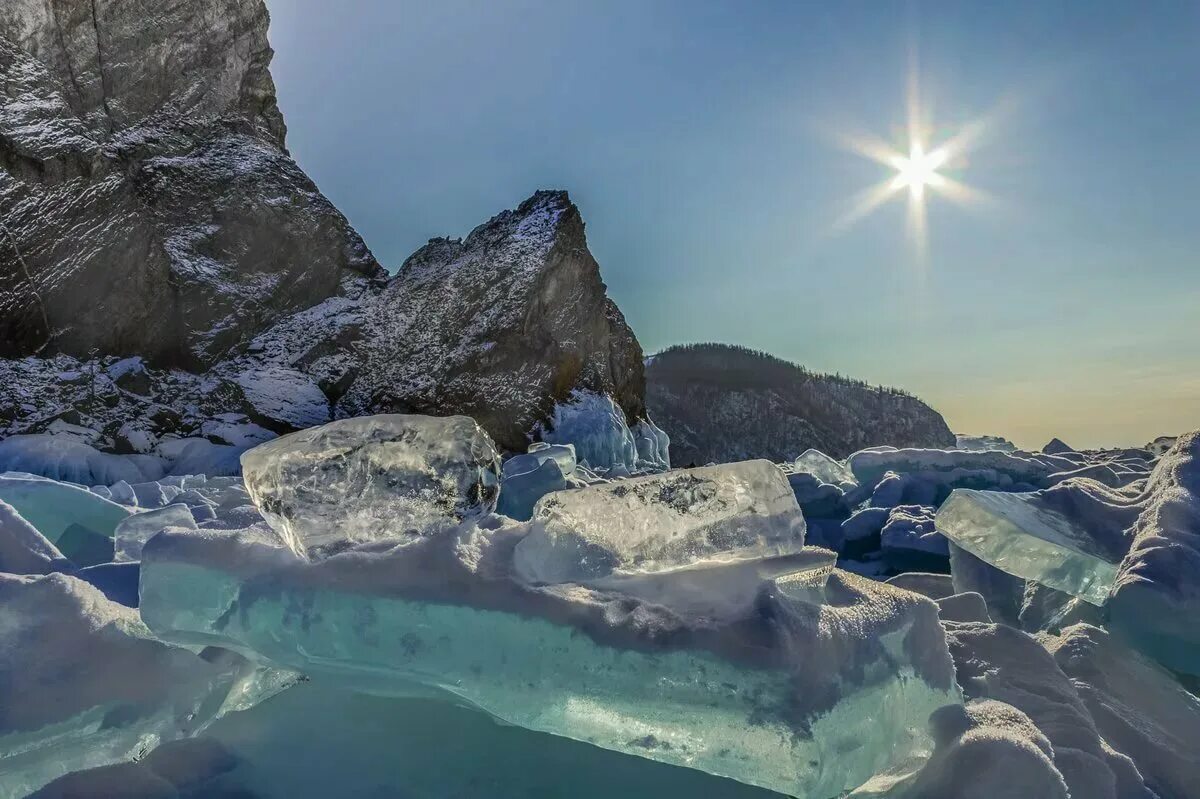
698 140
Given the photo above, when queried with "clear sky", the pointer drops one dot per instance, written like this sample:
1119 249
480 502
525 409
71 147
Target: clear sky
699 140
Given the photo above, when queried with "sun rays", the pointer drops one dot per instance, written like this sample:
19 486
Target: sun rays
921 166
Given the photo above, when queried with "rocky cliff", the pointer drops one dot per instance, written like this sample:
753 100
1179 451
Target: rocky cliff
148 205
503 326
723 403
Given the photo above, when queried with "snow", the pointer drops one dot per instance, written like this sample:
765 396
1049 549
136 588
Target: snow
373 477
661 522
994 661
284 396
83 684
68 459
1140 708
1156 598
910 540
948 469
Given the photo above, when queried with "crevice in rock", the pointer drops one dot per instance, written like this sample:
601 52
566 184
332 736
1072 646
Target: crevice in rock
101 68
32 286
62 45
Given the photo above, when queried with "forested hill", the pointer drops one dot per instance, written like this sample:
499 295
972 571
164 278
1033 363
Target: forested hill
721 403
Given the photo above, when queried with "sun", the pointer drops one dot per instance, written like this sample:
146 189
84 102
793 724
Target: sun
918 170
916 166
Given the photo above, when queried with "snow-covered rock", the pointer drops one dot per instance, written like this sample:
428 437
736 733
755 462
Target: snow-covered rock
499 326
156 134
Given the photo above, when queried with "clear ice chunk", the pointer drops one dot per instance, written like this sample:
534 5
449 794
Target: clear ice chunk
597 427
825 680
372 477
1023 535
824 468
24 550
520 490
660 522
136 530
79 523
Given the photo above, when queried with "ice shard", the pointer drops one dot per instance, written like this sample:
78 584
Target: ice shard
24 550
822 681
79 523
372 477
136 530
1027 535
655 523
824 468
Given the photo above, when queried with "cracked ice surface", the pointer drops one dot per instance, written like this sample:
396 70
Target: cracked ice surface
660 522
372 478
824 680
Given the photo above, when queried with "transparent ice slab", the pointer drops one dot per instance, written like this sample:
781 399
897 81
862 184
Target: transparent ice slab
1022 535
825 679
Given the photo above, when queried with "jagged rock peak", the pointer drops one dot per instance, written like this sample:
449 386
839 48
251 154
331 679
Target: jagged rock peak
500 326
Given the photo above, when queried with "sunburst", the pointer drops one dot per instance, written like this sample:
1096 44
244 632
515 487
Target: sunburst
917 165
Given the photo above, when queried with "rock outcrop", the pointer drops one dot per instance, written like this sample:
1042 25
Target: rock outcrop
502 326
147 202
149 208
723 403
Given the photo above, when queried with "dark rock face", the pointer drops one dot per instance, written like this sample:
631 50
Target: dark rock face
721 403
147 203
498 326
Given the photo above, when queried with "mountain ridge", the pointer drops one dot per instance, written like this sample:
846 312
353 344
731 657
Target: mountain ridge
725 402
